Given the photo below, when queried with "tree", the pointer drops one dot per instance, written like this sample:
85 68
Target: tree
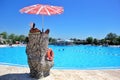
118 39
8 41
52 40
16 38
89 40
22 38
4 35
12 38
111 38
115 42
102 41
95 41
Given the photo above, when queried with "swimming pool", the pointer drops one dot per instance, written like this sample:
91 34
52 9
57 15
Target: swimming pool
69 57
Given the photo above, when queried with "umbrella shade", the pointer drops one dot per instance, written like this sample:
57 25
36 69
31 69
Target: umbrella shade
42 9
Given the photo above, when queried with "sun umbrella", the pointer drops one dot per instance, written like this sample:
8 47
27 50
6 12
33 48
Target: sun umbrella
40 9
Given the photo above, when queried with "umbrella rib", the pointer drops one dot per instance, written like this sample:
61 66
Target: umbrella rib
47 11
57 11
51 9
40 10
30 9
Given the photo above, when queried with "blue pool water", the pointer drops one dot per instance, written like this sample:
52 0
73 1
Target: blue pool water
69 57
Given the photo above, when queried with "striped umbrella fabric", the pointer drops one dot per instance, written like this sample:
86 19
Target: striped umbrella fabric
40 9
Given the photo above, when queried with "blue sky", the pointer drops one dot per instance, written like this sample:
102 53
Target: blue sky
81 18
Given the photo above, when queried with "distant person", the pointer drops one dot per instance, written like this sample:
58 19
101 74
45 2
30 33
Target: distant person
10 44
33 29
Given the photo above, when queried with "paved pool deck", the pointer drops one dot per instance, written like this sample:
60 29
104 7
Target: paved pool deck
22 73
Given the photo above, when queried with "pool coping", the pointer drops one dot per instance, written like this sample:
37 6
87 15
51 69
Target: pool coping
68 68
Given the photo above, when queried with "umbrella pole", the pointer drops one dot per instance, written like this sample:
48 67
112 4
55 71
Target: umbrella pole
42 23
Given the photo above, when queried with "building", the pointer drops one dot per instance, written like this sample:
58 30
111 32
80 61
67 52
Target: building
62 42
